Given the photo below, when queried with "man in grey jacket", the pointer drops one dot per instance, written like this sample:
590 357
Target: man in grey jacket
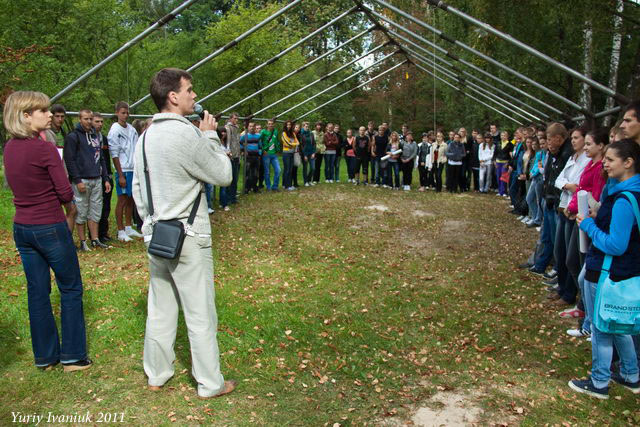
180 159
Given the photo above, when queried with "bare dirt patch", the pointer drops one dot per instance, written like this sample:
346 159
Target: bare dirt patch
451 225
378 208
451 409
421 214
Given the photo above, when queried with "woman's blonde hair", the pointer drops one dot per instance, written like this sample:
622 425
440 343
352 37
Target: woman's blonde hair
16 105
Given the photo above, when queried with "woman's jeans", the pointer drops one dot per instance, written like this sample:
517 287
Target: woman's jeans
602 347
224 196
271 160
287 161
502 186
533 199
44 247
395 181
329 166
485 177
308 166
586 321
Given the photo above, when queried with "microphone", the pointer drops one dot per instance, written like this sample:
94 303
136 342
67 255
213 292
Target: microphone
197 108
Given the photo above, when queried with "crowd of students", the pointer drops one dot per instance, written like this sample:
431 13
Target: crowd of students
540 170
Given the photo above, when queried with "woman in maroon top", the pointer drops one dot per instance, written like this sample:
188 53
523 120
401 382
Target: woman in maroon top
36 176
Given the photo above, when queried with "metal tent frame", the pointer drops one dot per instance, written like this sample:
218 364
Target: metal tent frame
404 45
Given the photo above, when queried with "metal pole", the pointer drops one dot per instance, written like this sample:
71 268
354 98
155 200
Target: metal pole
298 70
468 64
279 55
229 45
447 8
466 94
316 81
600 115
159 23
489 59
191 117
475 88
384 58
471 76
351 90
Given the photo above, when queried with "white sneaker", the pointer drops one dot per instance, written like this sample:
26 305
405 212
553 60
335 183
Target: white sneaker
227 209
406 188
211 211
520 218
122 236
291 188
524 220
131 232
306 184
578 333
538 229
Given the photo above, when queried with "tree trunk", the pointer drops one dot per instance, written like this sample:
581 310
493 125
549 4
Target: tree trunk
634 84
587 58
615 57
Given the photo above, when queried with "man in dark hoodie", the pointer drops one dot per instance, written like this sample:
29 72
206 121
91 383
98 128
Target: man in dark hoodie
87 171
559 152
103 225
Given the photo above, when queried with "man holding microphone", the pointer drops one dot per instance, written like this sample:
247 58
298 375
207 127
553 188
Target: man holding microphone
180 158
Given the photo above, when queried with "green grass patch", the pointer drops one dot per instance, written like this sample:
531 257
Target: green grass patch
331 310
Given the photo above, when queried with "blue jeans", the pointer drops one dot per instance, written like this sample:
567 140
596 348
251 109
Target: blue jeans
210 193
602 347
395 167
329 166
308 166
232 190
375 168
224 196
533 199
337 171
271 160
547 238
45 247
287 162
586 322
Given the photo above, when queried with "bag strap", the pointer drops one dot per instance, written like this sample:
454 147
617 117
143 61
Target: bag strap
608 259
146 176
196 204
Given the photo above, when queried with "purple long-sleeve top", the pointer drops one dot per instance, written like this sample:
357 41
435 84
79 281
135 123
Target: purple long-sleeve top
36 176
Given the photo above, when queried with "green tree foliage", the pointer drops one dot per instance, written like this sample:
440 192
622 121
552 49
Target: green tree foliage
46 44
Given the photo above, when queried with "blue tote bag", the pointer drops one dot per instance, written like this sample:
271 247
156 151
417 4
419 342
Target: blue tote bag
617 306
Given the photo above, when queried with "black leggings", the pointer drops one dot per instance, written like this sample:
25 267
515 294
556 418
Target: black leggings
407 172
424 174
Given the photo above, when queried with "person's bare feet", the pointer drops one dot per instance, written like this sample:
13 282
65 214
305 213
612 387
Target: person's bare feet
229 386
154 387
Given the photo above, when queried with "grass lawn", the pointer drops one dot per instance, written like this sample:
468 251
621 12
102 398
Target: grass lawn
337 304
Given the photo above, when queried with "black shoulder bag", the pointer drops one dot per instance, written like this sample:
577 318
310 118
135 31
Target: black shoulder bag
168 236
